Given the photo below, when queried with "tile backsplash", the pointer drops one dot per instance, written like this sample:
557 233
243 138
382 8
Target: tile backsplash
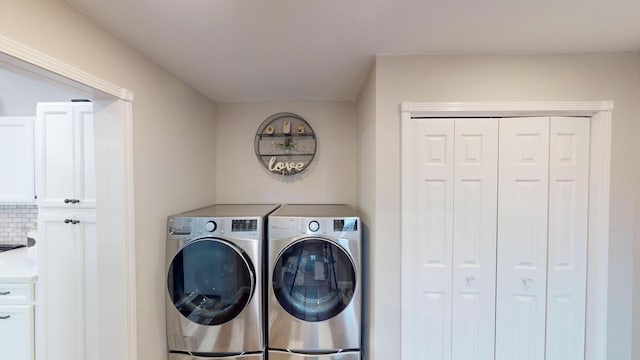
16 221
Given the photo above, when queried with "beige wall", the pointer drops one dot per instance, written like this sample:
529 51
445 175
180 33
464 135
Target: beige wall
331 178
173 137
636 252
366 193
503 78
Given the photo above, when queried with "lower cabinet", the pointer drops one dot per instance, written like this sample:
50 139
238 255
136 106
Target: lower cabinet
66 284
16 322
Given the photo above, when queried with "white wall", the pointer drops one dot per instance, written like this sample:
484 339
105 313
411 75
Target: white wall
331 178
173 138
503 78
19 93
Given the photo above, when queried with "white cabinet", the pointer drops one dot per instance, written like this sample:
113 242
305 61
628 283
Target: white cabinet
17 160
494 249
65 155
16 321
67 253
65 285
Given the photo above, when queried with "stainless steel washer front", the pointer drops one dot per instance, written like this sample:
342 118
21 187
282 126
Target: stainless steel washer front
214 297
314 298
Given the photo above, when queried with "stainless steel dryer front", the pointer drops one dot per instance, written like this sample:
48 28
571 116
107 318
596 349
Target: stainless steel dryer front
314 300
214 283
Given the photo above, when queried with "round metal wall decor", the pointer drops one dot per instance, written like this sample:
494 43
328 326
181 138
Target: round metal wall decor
285 144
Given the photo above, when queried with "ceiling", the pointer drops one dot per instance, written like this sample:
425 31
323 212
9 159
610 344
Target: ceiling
279 50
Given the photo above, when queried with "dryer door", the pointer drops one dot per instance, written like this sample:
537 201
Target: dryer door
314 279
210 281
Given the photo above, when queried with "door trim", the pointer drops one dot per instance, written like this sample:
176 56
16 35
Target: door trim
115 210
601 114
57 70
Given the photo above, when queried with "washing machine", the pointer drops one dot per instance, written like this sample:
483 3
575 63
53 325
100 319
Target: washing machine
314 293
214 298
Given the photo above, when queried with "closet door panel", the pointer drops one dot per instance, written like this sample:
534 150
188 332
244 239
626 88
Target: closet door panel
522 238
428 234
474 239
567 263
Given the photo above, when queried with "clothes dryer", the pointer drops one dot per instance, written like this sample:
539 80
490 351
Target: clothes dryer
214 305
314 297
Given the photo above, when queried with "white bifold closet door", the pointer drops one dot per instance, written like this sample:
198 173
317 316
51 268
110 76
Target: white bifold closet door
448 299
522 238
567 243
542 238
494 238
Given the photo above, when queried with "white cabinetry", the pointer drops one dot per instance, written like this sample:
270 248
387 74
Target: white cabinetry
65 155
494 244
17 160
67 257
16 321
69 239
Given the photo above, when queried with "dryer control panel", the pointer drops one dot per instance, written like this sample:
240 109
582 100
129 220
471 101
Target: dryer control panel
180 228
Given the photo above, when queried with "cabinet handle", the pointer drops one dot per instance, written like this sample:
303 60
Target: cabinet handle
75 201
527 281
67 221
470 279
5 317
5 293
74 222
68 201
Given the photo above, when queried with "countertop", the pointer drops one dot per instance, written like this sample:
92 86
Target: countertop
19 265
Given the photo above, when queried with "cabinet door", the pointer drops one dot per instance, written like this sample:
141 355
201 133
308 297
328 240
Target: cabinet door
16 332
522 238
65 155
62 284
85 181
17 160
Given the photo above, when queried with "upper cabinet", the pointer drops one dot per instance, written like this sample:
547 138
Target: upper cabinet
65 155
16 160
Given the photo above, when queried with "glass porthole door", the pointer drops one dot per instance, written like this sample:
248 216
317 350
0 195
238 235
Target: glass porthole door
210 281
314 279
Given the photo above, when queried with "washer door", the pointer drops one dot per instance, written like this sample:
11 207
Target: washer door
210 281
314 279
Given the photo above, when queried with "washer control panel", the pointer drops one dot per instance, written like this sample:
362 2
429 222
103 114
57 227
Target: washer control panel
344 226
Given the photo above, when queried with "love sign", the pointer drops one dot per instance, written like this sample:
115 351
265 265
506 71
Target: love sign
283 168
